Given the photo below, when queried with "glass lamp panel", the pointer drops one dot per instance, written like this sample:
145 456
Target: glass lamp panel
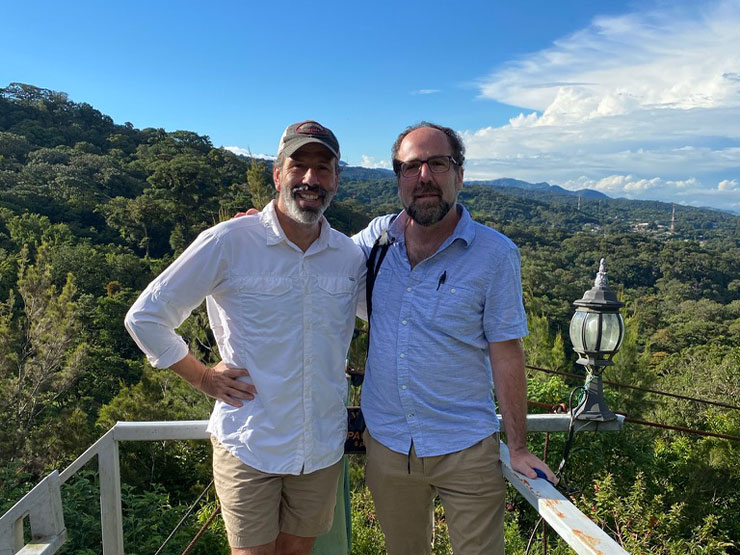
591 331
621 336
576 323
612 332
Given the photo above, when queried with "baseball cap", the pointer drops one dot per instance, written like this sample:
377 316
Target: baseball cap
299 134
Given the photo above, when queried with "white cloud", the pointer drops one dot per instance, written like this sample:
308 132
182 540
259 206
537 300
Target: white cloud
245 152
685 184
691 191
426 91
681 57
524 121
371 162
729 185
615 184
645 103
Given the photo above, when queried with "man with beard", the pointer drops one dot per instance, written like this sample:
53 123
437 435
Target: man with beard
281 289
446 325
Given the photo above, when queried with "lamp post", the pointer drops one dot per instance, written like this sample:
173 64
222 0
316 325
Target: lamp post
596 332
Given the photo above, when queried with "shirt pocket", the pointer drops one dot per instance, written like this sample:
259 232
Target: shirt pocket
458 311
335 299
262 299
263 286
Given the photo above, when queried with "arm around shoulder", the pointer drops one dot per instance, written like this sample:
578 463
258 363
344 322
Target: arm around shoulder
367 237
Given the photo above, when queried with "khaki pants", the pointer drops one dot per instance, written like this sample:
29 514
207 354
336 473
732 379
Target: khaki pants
470 485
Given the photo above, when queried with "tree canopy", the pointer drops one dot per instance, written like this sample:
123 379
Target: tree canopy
91 211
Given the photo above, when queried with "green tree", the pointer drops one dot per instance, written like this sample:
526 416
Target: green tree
41 363
259 180
140 220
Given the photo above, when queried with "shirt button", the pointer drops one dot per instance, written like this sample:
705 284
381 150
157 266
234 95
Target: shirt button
404 386
404 322
403 355
408 289
452 291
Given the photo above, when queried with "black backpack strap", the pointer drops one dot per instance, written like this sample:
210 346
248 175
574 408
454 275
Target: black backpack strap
374 260
355 419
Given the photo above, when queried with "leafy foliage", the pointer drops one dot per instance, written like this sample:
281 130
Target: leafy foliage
91 211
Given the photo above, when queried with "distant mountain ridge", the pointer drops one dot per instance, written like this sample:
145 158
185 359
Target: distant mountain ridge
542 190
365 174
362 173
542 186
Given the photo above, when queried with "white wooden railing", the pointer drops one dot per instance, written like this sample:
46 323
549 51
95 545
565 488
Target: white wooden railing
43 504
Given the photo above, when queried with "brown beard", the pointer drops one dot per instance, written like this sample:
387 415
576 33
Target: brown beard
428 215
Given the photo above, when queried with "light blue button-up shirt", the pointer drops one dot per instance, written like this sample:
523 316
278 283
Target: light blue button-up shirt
428 376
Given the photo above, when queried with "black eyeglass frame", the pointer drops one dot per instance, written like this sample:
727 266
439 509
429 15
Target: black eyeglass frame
398 165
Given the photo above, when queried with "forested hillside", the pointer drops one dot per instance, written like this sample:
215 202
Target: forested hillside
91 210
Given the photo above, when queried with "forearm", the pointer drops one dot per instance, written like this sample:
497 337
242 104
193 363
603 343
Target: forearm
507 364
192 371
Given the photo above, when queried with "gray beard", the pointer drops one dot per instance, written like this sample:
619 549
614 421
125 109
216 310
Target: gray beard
304 215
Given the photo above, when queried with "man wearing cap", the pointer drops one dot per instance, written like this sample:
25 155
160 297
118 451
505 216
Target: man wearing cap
281 289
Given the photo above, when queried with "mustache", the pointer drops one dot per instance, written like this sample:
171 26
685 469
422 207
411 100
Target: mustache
315 189
427 189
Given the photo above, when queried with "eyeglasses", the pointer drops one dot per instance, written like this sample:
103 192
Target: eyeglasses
437 164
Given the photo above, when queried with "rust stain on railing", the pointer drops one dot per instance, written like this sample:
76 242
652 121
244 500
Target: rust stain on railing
553 504
589 541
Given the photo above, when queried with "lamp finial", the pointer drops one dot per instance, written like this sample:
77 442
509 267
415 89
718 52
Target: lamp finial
601 280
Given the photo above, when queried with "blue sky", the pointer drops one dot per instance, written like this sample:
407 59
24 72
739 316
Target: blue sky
636 99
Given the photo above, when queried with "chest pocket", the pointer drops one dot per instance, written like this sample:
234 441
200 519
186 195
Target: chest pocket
458 311
337 285
263 286
334 301
260 303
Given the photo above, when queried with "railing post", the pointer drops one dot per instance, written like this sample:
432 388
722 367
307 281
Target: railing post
111 515
43 506
11 538
18 535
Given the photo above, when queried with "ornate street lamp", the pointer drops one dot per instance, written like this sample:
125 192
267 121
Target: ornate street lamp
596 332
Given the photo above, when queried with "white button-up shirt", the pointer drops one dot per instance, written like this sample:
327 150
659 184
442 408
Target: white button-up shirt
284 315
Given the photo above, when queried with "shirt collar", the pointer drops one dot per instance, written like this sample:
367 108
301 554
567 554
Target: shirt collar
464 230
275 234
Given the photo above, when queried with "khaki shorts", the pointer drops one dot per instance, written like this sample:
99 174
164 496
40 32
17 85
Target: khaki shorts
256 506
470 485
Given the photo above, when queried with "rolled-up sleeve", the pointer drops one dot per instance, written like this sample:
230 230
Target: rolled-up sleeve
167 301
504 317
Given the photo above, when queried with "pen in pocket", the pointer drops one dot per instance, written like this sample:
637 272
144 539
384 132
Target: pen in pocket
441 279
